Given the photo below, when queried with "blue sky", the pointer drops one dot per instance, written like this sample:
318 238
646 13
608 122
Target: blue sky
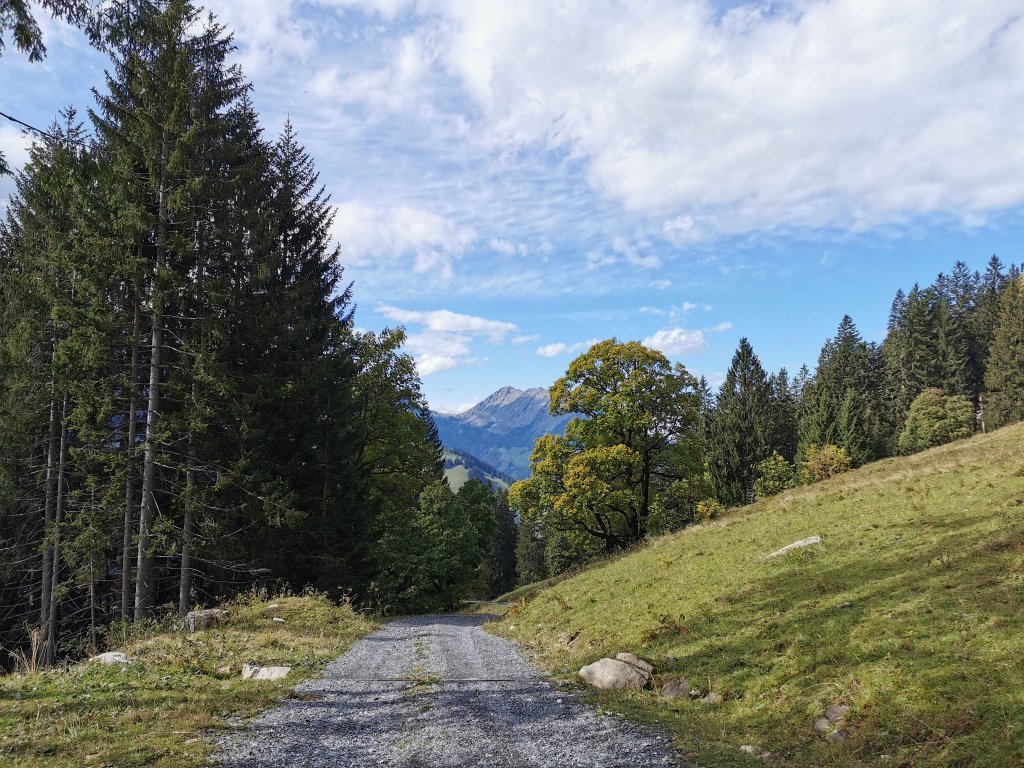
516 179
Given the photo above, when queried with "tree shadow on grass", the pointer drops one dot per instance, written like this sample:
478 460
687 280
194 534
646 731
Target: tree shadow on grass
925 643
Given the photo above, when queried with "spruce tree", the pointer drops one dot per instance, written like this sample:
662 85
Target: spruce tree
841 405
1004 375
741 427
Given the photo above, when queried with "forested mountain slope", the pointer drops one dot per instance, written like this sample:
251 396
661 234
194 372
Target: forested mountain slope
910 611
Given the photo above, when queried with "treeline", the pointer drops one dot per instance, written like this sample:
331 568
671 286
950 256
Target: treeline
185 408
952 363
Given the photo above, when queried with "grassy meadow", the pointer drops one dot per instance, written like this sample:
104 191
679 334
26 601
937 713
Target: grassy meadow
178 688
910 611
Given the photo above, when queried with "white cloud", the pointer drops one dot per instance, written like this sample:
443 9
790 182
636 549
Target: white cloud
561 348
597 259
844 114
517 340
270 33
678 341
446 338
443 320
14 145
675 342
369 233
661 285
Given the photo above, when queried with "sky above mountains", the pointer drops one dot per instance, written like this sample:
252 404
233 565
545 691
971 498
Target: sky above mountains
515 180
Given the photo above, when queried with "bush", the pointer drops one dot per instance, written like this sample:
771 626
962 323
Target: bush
824 461
935 419
708 509
774 475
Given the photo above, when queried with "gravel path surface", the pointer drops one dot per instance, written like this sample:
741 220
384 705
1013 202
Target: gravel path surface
438 691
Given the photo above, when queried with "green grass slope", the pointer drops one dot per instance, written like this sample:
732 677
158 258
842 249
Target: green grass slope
459 474
911 611
179 688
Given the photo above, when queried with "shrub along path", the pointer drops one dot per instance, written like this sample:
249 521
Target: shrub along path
438 691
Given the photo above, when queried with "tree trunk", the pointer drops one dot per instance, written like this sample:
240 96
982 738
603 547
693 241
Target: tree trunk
188 526
50 646
129 475
49 506
185 586
145 586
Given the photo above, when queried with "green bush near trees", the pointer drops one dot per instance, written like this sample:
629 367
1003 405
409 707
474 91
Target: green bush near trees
936 419
774 475
824 461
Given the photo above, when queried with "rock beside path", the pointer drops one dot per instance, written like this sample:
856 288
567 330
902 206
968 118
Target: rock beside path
259 672
626 671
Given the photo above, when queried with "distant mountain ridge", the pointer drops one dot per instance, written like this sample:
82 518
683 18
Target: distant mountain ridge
502 428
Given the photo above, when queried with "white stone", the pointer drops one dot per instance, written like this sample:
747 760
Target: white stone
110 657
795 545
614 674
279 620
259 672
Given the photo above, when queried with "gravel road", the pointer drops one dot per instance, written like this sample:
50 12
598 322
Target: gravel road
438 691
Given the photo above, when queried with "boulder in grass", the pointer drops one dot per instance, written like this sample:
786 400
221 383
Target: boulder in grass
197 620
613 674
259 672
795 545
110 657
676 689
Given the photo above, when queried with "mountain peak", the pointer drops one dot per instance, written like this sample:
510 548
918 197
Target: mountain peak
502 427
503 396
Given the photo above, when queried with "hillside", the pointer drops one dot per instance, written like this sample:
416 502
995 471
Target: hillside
910 611
460 467
501 428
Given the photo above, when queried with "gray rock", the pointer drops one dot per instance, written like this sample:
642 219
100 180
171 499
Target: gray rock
841 734
279 620
258 672
197 620
110 657
795 545
750 749
711 698
614 674
836 712
676 689
637 662
823 724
